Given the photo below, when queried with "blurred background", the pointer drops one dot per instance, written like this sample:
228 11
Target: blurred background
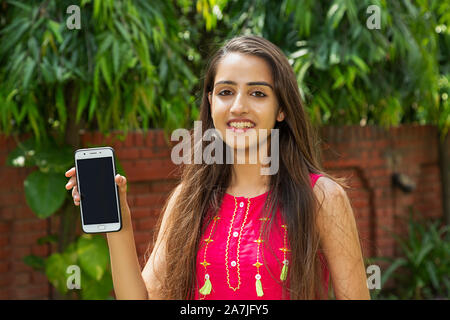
374 76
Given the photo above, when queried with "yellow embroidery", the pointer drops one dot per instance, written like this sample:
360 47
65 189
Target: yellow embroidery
207 287
238 246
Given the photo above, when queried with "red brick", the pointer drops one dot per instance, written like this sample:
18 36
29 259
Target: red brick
10 199
40 291
155 152
150 200
142 237
129 141
4 293
163 186
5 280
147 224
138 139
139 188
150 138
4 266
26 239
155 169
127 153
140 212
21 226
21 278
4 227
5 252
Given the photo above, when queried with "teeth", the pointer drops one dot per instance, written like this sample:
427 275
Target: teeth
241 125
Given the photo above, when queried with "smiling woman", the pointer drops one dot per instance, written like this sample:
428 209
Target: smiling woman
229 232
243 98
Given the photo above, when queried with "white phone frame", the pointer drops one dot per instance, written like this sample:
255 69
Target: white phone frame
94 153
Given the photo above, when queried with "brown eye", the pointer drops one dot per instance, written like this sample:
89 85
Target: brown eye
258 94
224 92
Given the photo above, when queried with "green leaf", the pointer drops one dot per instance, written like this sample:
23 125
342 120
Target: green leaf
55 28
360 63
125 34
422 253
335 13
36 262
92 107
56 269
61 107
18 29
29 70
34 118
116 58
45 192
97 290
85 93
106 72
48 239
93 254
391 269
431 268
21 6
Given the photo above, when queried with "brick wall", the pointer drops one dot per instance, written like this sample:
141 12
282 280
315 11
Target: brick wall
367 155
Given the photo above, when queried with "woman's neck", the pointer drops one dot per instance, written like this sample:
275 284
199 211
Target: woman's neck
247 181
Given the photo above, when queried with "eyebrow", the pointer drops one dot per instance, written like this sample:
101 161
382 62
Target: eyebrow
254 83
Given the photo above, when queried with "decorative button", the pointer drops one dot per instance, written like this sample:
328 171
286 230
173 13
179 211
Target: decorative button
235 234
241 204
233 263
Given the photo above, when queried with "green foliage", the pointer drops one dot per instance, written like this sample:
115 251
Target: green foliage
350 74
45 194
136 65
421 270
44 188
90 253
120 70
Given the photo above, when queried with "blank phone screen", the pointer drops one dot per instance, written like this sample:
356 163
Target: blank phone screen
97 190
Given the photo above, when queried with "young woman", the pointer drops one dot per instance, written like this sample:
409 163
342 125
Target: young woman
230 232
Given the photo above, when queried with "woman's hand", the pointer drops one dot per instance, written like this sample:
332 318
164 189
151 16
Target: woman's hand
125 267
121 181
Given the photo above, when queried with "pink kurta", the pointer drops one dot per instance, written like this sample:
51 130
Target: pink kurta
234 255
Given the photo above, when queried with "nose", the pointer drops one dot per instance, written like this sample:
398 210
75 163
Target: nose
239 104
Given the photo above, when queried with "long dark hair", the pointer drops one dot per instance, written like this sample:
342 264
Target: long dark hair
204 185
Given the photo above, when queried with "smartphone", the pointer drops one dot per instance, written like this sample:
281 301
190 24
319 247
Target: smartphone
99 193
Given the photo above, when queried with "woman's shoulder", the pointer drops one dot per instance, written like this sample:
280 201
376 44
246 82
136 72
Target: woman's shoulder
334 205
327 190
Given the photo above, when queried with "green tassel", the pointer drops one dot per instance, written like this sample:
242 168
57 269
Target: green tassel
284 271
259 290
206 289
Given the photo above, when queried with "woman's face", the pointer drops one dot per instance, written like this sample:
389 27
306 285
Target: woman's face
243 100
